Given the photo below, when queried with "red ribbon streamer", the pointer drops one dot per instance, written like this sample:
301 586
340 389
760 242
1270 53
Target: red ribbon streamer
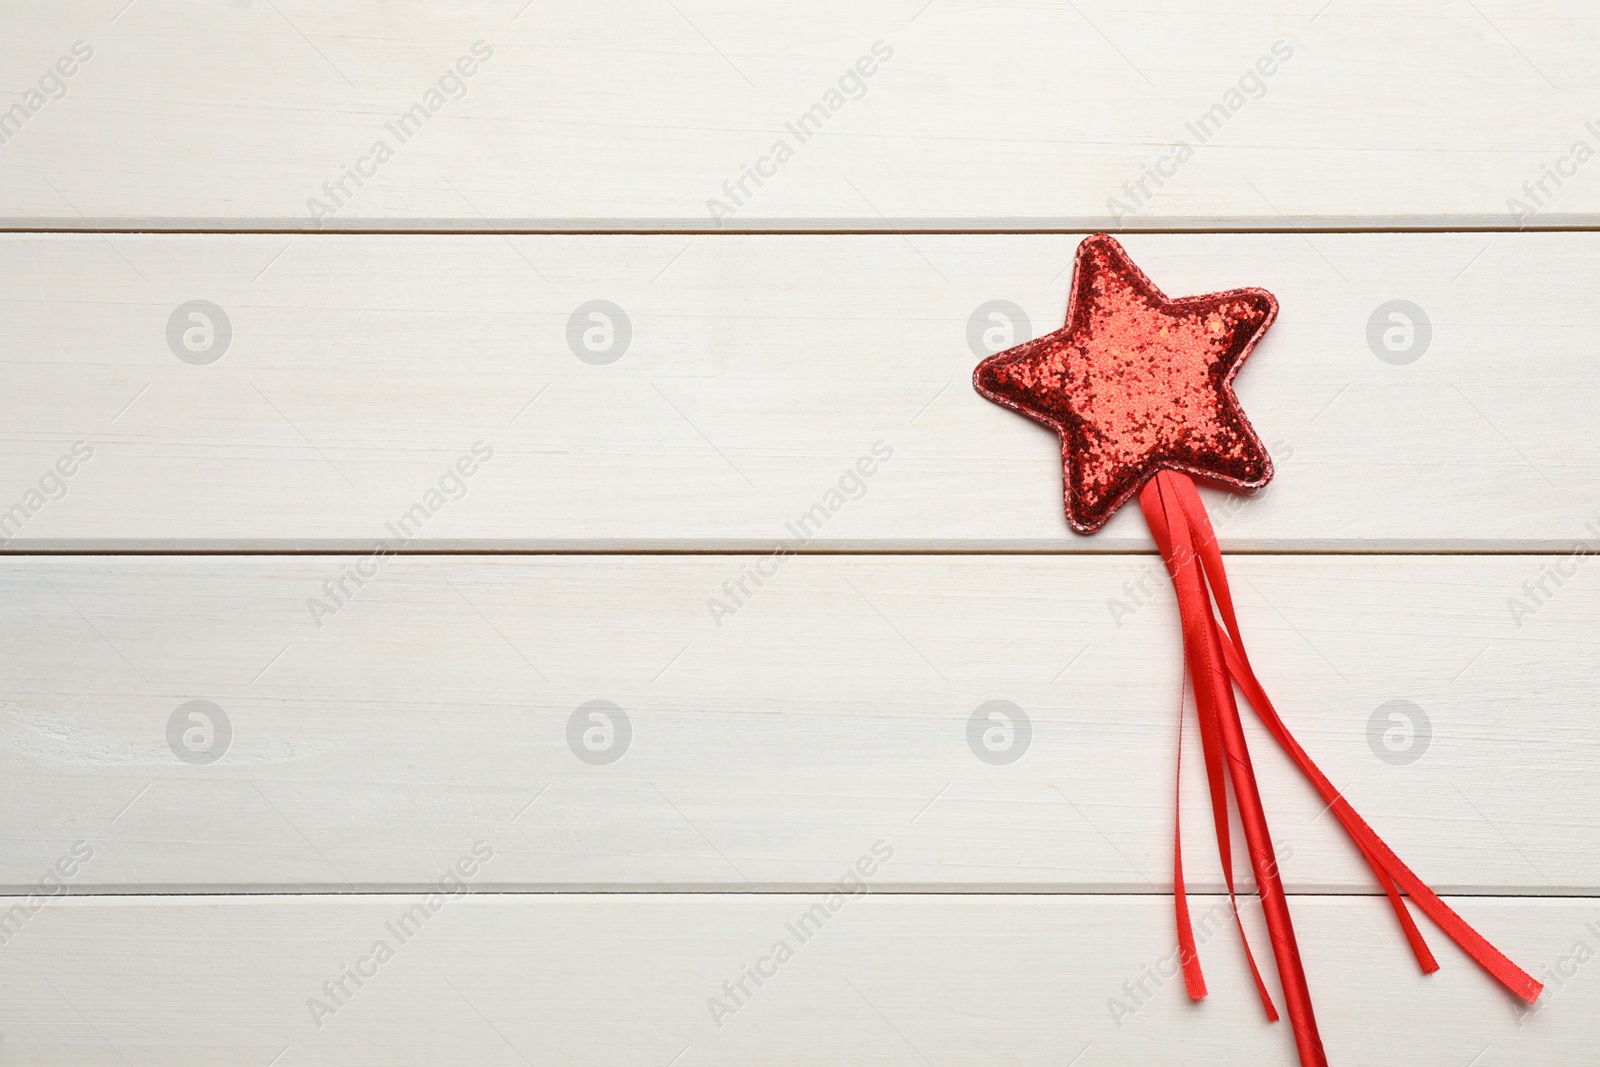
1215 661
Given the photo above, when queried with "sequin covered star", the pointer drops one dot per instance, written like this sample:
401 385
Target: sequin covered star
1135 383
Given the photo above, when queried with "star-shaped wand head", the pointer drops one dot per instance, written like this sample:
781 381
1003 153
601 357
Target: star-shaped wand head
1135 383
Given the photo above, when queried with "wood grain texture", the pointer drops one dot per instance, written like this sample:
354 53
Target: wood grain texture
884 980
760 371
831 709
984 115
529 527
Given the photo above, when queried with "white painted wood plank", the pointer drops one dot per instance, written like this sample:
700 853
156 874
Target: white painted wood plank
973 115
883 980
833 708
760 370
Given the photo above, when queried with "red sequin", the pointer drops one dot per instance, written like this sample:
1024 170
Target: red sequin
1135 383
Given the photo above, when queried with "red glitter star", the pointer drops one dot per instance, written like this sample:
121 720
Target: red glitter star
1135 383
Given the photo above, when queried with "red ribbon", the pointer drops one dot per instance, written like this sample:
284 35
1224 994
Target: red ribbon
1215 661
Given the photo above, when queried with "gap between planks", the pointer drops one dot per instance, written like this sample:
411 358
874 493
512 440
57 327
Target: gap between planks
1377 553
318 889
756 231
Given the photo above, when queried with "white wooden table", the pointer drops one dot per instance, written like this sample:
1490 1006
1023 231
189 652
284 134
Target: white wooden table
520 342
